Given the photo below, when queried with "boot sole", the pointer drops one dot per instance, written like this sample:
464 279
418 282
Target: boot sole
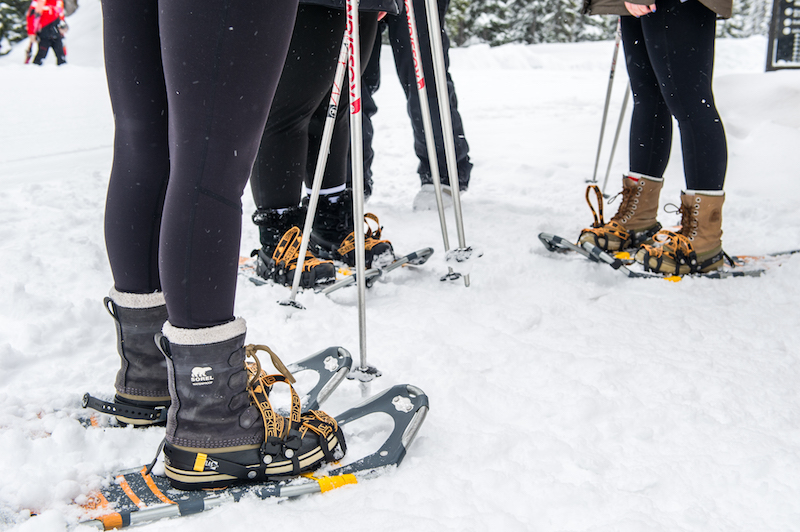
190 480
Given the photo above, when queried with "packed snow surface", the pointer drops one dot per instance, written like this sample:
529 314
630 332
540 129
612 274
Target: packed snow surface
564 397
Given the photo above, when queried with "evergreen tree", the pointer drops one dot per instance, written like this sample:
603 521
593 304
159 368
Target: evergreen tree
750 17
458 21
538 21
12 20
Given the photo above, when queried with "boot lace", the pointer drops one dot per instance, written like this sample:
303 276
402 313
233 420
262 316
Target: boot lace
599 227
288 251
283 436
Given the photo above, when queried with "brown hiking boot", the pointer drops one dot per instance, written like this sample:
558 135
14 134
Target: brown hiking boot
697 247
635 222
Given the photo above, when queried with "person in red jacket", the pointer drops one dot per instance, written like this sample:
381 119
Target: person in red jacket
51 15
32 20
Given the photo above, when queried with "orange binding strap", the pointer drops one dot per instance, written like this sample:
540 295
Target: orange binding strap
598 215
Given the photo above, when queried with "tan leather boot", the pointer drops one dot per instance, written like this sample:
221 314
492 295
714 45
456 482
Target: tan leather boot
697 247
635 222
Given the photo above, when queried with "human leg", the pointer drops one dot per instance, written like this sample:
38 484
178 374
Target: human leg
680 42
41 52
333 235
220 83
285 154
370 83
650 138
405 65
219 88
134 201
651 121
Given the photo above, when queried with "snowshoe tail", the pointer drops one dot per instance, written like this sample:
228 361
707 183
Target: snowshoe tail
415 258
560 244
621 266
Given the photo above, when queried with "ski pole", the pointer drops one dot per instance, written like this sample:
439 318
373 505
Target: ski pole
322 161
427 125
616 138
608 99
440 79
364 373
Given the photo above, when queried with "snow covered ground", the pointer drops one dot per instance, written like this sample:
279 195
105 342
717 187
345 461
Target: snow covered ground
564 397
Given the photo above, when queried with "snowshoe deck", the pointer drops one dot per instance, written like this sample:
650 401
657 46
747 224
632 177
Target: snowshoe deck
415 258
138 497
247 269
743 265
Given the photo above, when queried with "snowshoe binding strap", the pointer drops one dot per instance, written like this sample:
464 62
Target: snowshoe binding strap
284 436
671 248
252 349
600 230
148 415
292 445
288 251
371 236
596 214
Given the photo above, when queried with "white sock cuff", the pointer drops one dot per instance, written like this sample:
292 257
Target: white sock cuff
637 175
326 191
705 192
130 300
206 335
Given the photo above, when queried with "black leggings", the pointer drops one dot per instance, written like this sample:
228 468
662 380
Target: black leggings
293 134
191 82
670 59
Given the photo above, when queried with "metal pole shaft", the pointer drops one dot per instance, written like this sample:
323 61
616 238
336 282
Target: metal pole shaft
608 99
322 161
616 138
427 122
357 166
440 78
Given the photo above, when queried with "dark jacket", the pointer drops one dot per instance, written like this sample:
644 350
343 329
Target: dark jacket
723 8
390 6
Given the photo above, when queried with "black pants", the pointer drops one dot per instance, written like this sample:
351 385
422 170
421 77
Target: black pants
50 37
404 63
293 133
191 82
670 59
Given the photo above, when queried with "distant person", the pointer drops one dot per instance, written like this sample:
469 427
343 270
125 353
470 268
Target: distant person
32 19
669 51
51 21
404 63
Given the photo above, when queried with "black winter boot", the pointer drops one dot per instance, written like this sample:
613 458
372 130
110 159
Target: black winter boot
281 234
333 235
141 384
221 429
